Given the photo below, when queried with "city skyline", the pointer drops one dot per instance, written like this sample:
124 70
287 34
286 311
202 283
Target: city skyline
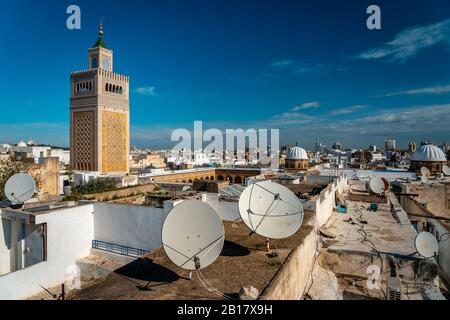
211 62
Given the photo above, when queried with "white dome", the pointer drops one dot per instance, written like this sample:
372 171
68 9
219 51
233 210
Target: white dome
429 153
297 153
21 144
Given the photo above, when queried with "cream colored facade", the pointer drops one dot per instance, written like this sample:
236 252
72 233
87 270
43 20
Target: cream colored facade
99 115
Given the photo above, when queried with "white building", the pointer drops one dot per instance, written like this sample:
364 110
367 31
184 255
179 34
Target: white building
32 151
62 154
36 151
4 148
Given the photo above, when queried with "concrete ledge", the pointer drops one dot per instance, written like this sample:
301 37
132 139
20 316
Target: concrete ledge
112 256
291 280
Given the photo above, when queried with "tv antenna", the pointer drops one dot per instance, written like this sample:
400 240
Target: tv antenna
426 244
270 210
425 171
192 235
377 185
20 188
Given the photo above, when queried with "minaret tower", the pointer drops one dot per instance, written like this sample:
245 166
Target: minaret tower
99 114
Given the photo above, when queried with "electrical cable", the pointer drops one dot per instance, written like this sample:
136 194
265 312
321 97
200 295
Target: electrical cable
208 286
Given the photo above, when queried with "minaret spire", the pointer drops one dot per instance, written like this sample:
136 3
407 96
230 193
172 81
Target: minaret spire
100 42
100 29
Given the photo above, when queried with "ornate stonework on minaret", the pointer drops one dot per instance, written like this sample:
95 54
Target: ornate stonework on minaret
99 114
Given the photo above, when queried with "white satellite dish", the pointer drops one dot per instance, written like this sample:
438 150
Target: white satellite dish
192 235
20 188
424 179
446 170
270 210
426 244
425 171
377 185
186 188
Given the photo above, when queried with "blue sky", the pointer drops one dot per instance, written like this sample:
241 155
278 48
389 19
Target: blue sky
310 68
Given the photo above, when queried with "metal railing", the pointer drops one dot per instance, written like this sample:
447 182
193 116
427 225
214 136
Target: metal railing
118 249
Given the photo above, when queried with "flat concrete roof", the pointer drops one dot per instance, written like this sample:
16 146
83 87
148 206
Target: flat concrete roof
386 234
243 262
381 228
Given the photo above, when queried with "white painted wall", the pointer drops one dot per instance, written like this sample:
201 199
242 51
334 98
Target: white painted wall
227 210
70 232
20 245
33 151
444 247
326 202
128 225
63 155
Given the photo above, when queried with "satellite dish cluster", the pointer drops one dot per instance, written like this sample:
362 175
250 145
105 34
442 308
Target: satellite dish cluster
425 174
193 234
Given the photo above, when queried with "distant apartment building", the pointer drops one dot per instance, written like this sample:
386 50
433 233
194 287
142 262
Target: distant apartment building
390 145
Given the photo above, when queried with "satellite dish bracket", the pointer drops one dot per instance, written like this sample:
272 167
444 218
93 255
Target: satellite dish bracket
197 262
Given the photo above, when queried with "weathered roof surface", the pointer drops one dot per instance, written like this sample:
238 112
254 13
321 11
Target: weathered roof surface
243 262
383 231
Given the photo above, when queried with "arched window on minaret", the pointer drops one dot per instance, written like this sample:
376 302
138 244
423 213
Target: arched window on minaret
120 90
114 88
94 63
90 85
110 87
106 87
78 87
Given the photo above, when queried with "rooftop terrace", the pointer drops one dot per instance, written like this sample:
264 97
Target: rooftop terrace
243 262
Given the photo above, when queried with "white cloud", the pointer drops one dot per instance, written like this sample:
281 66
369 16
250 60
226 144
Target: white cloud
307 105
146 91
347 110
409 42
293 116
299 68
280 64
428 90
411 120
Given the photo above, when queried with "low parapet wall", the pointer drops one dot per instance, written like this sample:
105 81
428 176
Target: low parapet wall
291 281
326 202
